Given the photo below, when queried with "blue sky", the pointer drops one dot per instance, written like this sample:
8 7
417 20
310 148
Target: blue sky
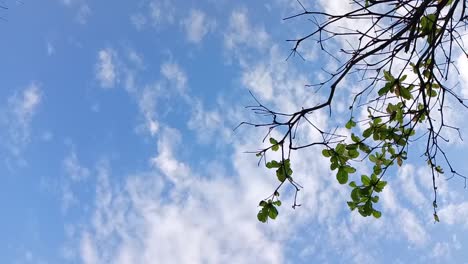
117 142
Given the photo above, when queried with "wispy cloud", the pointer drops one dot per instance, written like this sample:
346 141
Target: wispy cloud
197 26
241 32
172 72
161 12
105 68
74 169
83 10
17 116
154 215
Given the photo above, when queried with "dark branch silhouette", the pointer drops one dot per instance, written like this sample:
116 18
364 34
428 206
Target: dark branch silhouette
403 53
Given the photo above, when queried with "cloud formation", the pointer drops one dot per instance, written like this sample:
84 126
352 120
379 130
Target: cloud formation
16 118
105 68
197 26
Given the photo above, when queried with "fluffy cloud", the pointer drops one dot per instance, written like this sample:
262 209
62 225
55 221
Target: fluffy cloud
161 12
240 32
185 211
197 25
173 73
17 116
178 216
105 68
74 169
147 100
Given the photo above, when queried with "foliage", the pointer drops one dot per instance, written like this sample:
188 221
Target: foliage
404 60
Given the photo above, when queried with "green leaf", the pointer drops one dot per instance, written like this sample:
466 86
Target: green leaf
275 147
277 203
355 194
262 203
333 166
273 212
388 76
439 170
280 174
364 191
342 176
273 164
353 153
351 147
273 141
350 124
374 178
405 93
352 184
352 205
365 180
262 217
375 199
367 208
377 169
380 185
364 148
355 138
349 169
366 133
384 90
376 214
403 78
326 153
340 148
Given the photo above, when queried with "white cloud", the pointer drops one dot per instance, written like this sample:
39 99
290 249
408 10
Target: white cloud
17 117
412 228
176 171
88 250
197 25
153 216
147 102
138 20
455 214
407 179
161 12
156 13
259 80
106 69
74 169
441 250
173 73
209 125
241 33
